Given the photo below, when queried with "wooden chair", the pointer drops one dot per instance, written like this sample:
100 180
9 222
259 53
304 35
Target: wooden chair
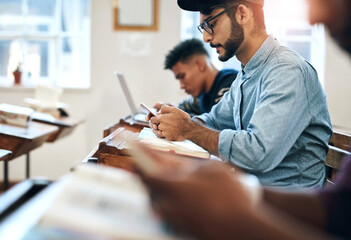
332 162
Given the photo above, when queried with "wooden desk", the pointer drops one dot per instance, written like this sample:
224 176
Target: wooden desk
21 140
4 155
106 154
341 138
339 148
127 123
110 151
65 125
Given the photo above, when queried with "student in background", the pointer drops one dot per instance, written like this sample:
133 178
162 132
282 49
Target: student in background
209 201
190 63
274 121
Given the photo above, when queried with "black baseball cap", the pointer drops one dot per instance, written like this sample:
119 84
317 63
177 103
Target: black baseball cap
196 5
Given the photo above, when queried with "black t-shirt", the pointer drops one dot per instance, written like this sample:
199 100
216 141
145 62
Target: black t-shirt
204 103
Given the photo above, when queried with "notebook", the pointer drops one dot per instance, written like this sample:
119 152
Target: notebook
137 114
187 148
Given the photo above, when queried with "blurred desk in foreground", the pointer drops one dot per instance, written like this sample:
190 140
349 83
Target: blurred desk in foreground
21 140
92 202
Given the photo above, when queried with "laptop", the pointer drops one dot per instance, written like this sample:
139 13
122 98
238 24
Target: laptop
137 114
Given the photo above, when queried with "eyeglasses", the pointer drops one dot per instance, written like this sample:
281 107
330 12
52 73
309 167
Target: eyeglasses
207 26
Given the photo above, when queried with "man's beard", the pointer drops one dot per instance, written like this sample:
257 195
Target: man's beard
233 43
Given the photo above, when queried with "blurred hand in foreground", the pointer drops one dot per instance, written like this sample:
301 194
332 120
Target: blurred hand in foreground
186 192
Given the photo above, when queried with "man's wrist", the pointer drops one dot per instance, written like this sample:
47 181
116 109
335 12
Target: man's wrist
191 126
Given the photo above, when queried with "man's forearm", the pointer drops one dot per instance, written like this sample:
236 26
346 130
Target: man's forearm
201 135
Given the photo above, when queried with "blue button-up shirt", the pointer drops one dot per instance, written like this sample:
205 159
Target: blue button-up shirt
274 121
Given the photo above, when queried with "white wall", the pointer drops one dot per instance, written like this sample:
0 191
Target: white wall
338 84
104 104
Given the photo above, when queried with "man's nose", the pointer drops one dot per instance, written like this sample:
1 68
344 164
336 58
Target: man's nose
206 37
182 85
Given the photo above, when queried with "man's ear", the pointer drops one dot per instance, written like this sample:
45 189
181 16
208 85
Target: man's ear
201 64
242 15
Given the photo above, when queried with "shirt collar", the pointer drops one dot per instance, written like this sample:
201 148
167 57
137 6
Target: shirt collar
260 56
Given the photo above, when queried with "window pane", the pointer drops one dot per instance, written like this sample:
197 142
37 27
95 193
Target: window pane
75 16
33 55
288 10
49 38
74 63
37 59
41 7
11 55
11 15
4 56
301 32
302 48
10 7
41 16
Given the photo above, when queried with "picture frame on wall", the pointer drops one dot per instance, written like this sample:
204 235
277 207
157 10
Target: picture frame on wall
135 15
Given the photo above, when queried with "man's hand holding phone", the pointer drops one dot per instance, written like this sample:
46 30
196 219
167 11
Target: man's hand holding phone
151 112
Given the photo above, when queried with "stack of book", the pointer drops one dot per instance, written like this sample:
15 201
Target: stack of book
15 115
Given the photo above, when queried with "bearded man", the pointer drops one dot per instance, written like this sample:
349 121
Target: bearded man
274 121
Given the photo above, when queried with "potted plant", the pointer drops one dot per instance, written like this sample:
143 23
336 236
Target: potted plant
17 74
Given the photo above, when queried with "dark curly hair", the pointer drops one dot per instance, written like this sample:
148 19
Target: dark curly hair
183 51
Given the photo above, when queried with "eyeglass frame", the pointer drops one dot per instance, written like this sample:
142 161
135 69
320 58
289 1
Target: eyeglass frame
206 23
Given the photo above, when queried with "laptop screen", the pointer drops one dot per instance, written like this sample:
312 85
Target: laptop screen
137 115
126 92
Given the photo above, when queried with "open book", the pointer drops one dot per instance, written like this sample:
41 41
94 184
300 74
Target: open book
98 202
186 147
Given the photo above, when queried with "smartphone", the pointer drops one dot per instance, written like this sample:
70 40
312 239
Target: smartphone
149 110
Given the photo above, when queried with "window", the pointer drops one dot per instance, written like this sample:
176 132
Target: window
287 21
50 39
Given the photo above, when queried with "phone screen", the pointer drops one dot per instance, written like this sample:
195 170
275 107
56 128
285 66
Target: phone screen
147 109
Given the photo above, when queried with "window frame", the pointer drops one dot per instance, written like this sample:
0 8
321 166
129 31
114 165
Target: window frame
54 38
